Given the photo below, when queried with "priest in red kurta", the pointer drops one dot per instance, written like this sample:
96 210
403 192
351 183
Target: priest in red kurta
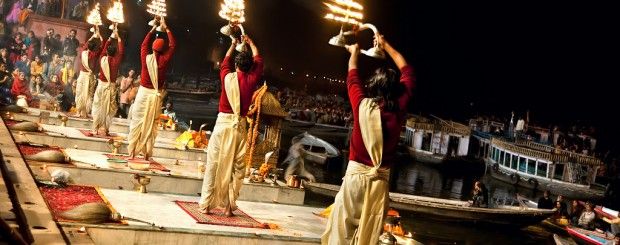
147 105
379 112
225 166
86 82
104 102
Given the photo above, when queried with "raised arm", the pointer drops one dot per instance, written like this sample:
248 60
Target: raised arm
171 41
354 85
105 47
144 47
257 68
120 48
355 51
225 66
253 47
394 54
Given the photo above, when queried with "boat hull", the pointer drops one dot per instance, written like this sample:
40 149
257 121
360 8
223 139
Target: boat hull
584 237
452 210
544 184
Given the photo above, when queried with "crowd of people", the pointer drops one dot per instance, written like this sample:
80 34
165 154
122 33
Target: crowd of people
323 109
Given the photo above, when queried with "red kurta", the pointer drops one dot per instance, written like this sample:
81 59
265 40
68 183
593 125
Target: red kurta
20 87
391 122
247 83
162 61
114 61
93 57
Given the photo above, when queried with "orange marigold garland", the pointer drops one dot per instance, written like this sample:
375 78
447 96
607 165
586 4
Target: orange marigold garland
254 120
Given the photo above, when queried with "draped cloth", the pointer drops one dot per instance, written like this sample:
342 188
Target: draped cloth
85 88
104 102
225 166
145 111
359 207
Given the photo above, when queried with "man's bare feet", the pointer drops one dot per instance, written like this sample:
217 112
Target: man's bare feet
204 210
228 212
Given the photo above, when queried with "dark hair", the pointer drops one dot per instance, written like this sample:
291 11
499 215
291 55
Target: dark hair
244 61
73 30
385 86
111 50
93 44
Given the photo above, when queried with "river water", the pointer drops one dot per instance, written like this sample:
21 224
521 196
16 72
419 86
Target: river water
452 181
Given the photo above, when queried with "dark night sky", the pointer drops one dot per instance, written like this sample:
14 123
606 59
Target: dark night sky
554 59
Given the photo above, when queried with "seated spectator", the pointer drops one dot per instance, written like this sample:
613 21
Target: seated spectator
480 198
574 212
23 64
545 201
20 85
36 67
586 220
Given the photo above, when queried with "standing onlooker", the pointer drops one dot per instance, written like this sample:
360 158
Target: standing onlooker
57 44
68 98
70 46
43 7
545 201
125 90
48 48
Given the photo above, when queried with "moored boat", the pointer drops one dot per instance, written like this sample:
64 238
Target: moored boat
452 210
436 141
538 166
587 237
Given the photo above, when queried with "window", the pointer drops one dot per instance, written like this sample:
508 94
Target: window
515 162
541 169
522 164
531 166
507 159
558 173
501 157
493 153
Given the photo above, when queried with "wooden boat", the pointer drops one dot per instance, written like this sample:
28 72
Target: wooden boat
435 141
315 149
563 240
452 210
541 167
589 237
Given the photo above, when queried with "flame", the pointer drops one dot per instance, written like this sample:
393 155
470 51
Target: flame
345 12
115 13
350 4
233 11
157 7
94 17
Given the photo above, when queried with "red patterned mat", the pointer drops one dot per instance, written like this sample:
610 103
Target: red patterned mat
88 133
217 217
63 199
10 122
34 149
153 164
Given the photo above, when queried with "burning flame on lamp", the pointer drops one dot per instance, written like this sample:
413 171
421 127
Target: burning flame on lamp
94 17
157 8
345 12
233 11
115 13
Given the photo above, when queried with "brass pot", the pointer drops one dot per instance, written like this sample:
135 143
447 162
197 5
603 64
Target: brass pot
293 181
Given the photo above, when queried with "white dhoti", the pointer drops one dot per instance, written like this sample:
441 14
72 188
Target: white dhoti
225 167
85 88
360 205
143 125
144 114
104 105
